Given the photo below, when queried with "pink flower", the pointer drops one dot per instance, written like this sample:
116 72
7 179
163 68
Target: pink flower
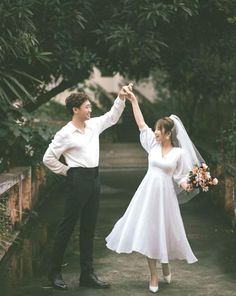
200 177
204 166
195 170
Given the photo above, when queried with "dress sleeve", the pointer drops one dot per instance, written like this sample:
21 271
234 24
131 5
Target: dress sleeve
181 171
147 138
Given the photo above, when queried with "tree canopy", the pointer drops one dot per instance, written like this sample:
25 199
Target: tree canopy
56 39
199 61
188 46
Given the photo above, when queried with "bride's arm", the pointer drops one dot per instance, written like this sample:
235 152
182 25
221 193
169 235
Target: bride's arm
147 137
137 112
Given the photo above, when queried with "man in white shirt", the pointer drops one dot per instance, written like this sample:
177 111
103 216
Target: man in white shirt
78 142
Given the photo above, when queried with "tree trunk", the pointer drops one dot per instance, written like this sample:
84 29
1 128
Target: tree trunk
42 99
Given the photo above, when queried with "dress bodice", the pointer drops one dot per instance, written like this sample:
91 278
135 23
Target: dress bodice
171 164
167 163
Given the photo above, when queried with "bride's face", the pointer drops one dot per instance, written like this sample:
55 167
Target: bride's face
159 134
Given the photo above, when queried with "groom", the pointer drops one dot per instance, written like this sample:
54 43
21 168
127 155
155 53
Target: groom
78 142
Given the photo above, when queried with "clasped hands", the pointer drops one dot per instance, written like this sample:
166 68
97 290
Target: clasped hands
127 92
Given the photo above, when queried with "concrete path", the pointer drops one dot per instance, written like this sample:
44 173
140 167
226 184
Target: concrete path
212 240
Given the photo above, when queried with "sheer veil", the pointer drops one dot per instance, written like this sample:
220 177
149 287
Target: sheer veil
192 156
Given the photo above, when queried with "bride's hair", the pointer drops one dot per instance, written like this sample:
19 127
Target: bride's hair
167 126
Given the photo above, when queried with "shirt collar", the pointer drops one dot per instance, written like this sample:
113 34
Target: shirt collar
73 128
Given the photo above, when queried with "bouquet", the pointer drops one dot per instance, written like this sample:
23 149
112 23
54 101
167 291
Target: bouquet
200 177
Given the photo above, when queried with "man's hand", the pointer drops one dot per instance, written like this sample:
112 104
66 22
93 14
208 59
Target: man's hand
126 91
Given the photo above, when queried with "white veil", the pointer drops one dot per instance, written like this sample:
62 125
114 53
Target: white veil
192 156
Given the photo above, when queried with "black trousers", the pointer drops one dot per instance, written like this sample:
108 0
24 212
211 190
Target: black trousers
82 202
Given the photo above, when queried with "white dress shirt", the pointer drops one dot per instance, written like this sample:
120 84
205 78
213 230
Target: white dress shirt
80 149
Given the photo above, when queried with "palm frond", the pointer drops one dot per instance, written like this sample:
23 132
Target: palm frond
28 76
11 86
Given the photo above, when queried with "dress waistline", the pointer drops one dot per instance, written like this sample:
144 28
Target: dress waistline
160 172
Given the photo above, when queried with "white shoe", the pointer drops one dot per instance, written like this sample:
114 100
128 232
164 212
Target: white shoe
153 289
167 278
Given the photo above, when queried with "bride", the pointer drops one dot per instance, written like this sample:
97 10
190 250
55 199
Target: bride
152 224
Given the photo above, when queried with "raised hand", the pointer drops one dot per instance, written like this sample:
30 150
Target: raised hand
126 91
132 98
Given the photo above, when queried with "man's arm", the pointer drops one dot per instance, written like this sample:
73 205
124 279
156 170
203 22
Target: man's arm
52 155
111 117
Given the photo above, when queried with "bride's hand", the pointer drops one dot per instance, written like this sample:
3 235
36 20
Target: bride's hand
132 98
126 91
187 187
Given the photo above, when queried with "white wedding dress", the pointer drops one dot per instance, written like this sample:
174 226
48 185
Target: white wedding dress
152 224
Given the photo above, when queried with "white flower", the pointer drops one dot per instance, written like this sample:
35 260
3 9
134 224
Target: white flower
215 181
205 189
29 150
31 153
208 175
17 104
204 166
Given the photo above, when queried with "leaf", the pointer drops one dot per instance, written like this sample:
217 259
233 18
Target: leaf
21 86
4 96
187 10
28 76
11 87
16 132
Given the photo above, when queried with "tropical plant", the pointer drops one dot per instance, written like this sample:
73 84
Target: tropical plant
22 139
61 41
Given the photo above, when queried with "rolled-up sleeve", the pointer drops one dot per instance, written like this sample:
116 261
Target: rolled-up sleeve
53 153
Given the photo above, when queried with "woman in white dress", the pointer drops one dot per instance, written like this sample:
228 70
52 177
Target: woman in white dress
152 224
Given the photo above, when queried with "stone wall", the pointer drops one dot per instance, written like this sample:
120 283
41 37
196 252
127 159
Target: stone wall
19 192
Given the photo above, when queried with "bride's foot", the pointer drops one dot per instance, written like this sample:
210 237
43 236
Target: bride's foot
167 278
153 284
153 289
166 272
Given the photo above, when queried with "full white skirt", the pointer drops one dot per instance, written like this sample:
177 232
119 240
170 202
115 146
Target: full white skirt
152 224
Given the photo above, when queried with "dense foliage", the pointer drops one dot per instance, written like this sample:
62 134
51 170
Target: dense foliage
199 67
187 46
65 39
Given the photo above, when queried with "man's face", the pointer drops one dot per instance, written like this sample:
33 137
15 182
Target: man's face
84 112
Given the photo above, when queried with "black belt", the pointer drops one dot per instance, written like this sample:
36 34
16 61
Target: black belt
87 172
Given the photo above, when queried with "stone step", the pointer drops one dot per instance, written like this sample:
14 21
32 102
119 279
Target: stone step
127 155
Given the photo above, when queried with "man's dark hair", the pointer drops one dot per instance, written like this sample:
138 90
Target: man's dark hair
76 100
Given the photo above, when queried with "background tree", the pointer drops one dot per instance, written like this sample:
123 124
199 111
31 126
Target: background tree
188 46
198 67
58 41
63 40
